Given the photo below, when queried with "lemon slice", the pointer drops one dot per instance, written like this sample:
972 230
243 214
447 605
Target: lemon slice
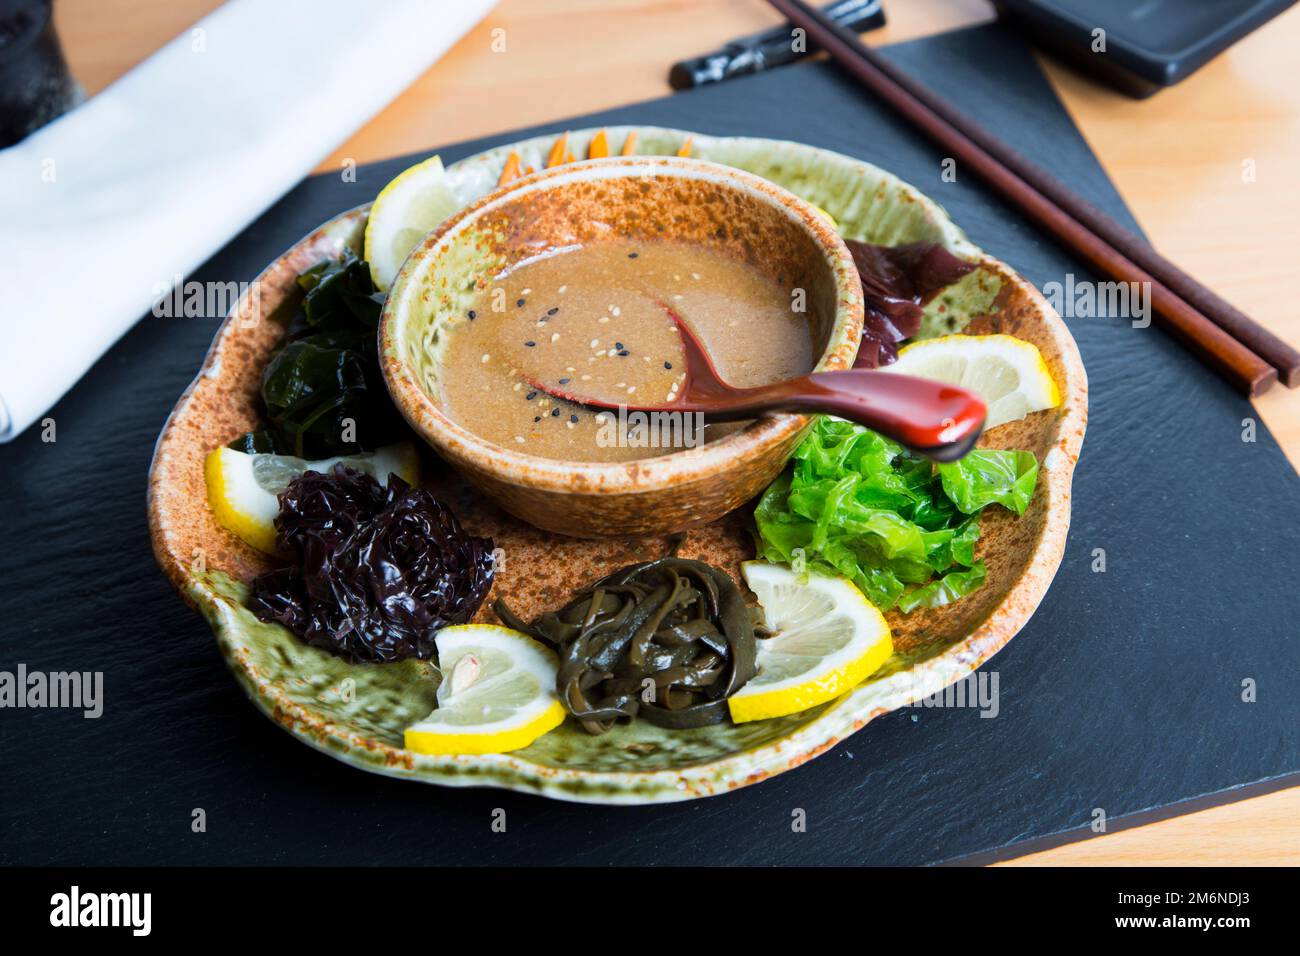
404 212
828 639
1007 372
243 488
497 693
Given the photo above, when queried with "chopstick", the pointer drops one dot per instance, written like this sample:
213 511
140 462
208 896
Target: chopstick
1243 352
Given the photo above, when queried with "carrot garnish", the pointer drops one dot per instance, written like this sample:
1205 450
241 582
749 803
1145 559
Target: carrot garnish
510 170
629 144
599 147
686 147
557 151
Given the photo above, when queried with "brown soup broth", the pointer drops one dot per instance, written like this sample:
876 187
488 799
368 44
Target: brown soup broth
594 319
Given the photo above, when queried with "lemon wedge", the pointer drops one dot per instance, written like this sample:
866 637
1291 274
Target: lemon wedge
497 693
404 212
243 488
1007 372
828 638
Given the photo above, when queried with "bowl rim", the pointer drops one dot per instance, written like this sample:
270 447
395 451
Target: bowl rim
760 437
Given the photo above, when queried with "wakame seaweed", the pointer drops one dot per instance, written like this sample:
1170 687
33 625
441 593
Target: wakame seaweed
854 503
322 389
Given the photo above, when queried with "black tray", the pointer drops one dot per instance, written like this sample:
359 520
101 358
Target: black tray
1124 693
1149 44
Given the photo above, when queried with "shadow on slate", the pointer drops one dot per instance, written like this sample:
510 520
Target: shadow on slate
1123 693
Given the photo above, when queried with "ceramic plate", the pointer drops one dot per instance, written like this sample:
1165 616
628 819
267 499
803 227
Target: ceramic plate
356 713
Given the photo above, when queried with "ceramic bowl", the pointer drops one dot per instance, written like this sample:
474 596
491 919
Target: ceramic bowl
702 204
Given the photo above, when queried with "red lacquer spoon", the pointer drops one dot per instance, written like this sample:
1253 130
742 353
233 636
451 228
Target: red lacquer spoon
939 421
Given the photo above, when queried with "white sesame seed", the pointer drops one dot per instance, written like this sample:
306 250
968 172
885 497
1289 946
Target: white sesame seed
695 275
563 287
595 342
603 319
485 358
617 310
520 439
586 378
555 336
621 385
631 389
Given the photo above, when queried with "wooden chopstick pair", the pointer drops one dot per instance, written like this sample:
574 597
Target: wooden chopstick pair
1238 348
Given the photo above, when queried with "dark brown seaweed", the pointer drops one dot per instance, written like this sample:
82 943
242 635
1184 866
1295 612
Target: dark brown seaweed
666 640
377 570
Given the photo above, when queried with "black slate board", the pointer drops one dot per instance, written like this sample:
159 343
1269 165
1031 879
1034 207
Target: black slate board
1123 693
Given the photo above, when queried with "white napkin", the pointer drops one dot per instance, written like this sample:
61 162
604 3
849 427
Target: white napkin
145 181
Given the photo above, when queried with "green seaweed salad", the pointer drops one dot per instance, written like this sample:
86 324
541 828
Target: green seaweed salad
900 527
322 389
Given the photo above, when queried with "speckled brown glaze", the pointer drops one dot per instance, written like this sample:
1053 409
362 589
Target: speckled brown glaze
219 406
639 199
296 686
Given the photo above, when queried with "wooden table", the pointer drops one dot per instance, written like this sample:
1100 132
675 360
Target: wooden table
1177 159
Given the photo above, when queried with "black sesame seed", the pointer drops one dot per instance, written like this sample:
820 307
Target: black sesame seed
631 255
573 418
565 381
619 346
553 311
668 365
472 315
555 412
530 343
531 395
537 418
520 303
625 353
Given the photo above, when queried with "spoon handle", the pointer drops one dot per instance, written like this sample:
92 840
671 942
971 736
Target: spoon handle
939 421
